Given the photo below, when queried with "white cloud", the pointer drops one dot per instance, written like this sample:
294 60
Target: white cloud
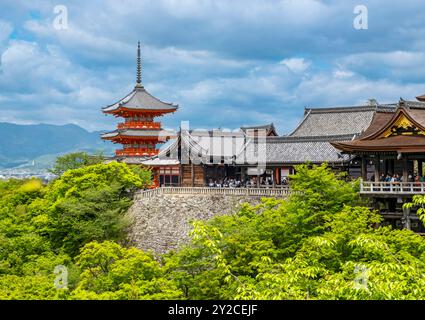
342 74
394 59
224 62
5 30
296 64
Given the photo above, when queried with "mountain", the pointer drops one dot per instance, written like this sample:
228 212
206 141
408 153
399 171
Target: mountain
38 145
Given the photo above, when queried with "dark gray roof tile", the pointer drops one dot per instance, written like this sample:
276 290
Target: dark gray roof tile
139 98
337 121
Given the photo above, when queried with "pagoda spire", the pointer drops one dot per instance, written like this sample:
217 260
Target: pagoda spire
139 67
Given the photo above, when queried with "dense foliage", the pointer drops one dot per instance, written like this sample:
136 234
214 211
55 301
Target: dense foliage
75 160
42 227
320 243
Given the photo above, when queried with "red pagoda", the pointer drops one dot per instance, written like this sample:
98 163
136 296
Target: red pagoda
139 133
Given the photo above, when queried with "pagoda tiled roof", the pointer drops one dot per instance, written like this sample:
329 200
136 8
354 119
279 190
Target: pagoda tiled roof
136 133
140 99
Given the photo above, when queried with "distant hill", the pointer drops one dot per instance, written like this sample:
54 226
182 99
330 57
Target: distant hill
37 145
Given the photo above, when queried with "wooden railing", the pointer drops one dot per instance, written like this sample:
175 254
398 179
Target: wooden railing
139 125
137 152
368 187
279 193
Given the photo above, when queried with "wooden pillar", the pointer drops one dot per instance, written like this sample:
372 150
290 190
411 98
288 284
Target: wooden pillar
405 169
420 168
277 176
385 168
406 219
392 166
364 168
377 168
192 174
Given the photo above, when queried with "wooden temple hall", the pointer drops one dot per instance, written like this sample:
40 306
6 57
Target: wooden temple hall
384 145
391 152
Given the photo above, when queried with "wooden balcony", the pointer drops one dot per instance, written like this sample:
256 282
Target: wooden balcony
259 192
391 188
134 152
139 125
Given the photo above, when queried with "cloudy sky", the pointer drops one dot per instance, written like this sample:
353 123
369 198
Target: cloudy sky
226 63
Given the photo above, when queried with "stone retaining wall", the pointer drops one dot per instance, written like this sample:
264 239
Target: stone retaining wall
162 222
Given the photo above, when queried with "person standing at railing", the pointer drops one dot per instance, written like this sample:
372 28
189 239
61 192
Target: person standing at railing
417 181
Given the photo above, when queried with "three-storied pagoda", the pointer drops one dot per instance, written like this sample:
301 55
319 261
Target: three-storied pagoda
139 133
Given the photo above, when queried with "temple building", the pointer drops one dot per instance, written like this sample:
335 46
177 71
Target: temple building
259 154
392 154
139 133
383 144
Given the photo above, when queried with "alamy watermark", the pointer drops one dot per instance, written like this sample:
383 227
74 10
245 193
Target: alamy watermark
360 281
61 281
361 20
222 146
60 22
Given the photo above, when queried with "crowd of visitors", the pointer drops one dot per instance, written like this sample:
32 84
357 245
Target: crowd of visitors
398 178
244 183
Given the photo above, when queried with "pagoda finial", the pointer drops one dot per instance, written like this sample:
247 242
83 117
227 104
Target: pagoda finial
139 67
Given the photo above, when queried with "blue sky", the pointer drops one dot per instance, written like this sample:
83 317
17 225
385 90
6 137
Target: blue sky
226 63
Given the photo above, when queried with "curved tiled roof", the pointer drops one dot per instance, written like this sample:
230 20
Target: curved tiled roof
268 127
137 133
337 121
140 99
372 140
379 119
295 150
390 144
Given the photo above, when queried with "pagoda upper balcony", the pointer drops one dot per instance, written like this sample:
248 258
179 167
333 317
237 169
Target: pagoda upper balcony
139 125
391 188
134 152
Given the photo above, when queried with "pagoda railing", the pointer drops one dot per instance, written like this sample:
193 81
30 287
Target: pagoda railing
406 188
136 152
139 125
263 192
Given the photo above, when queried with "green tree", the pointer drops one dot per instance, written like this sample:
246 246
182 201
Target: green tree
418 202
109 271
75 160
42 227
89 203
318 244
